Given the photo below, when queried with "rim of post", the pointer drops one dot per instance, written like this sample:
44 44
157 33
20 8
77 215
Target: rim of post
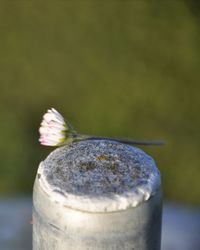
88 156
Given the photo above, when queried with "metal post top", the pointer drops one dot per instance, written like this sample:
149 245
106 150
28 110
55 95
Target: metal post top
99 176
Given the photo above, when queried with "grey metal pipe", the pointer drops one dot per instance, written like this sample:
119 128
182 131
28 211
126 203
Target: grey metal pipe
97 195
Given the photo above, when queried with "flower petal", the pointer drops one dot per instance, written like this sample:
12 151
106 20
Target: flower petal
53 128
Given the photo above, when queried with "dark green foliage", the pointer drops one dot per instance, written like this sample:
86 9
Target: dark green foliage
113 68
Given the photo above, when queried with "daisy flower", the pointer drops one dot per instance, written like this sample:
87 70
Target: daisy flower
53 129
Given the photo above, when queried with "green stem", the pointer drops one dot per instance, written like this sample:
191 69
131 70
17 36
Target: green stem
80 137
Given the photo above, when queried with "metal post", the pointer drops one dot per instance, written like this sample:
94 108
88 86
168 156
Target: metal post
97 195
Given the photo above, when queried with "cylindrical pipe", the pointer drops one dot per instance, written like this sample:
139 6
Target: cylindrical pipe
97 195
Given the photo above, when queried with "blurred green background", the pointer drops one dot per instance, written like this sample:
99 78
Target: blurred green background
113 68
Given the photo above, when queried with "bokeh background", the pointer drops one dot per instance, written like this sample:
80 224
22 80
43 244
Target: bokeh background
112 68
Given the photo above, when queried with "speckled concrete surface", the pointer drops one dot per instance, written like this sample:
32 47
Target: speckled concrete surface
100 168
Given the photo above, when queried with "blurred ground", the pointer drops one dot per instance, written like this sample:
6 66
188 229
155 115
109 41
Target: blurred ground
15 226
180 231
181 227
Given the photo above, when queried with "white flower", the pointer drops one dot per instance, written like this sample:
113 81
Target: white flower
53 129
